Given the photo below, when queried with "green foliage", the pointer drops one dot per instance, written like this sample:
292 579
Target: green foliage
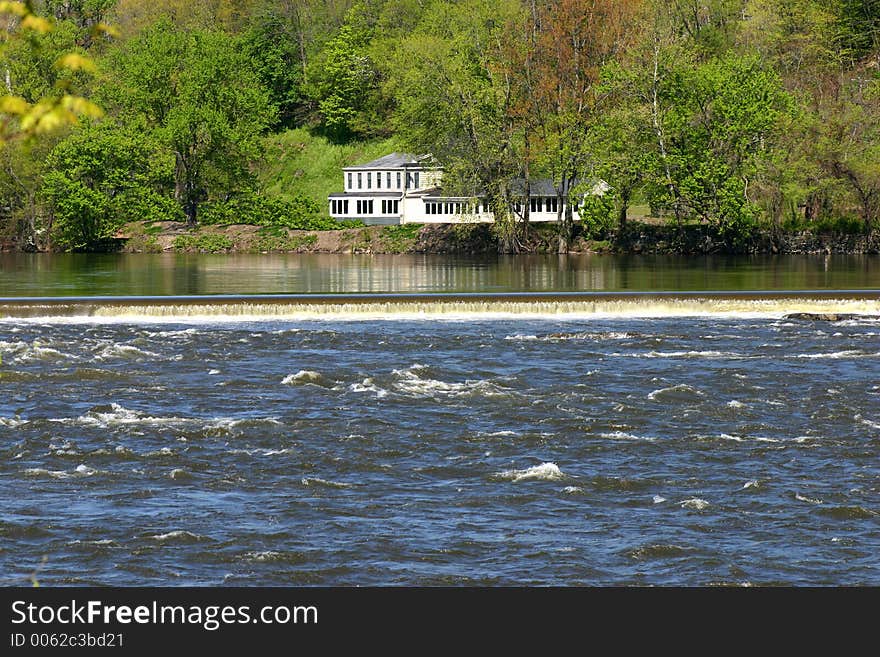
597 213
399 239
101 177
275 55
723 118
203 243
198 95
299 162
734 113
342 81
299 213
846 225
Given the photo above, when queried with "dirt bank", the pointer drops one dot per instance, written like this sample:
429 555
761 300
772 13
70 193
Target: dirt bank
635 238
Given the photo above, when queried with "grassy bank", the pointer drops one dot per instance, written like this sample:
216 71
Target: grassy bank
299 162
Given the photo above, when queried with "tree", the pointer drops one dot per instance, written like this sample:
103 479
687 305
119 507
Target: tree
455 100
722 119
196 91
575 39
623 145
100 177
848 145
276 49
52 102
22 169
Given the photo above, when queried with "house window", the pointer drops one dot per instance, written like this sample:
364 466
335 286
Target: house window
369 207
379 180
358 207
360 180
553 204
388 180
349 179
369 180
398 180
416 178
396 207
332 207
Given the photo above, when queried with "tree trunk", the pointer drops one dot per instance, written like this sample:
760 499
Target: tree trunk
564 219
622 210
505 222
184 189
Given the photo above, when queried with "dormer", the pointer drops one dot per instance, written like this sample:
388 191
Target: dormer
396 173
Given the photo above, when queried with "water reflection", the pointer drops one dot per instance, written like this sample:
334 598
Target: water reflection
182 274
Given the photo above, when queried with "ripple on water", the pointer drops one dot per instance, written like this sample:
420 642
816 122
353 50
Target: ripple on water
677 393
542 472
854 512
658 551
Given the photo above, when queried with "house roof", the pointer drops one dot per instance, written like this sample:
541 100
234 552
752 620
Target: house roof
537 187
390 161
392 194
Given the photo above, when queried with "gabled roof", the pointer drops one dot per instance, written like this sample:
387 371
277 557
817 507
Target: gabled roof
391 161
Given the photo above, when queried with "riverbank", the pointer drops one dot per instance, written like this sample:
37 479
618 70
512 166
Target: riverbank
637 237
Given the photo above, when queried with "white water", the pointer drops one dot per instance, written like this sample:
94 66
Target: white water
439 309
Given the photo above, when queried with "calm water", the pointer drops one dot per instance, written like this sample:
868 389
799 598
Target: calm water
663 443
175 274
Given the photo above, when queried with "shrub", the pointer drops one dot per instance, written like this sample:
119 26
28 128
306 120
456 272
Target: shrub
205 243
302 213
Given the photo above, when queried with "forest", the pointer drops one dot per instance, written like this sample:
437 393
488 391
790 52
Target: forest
739 115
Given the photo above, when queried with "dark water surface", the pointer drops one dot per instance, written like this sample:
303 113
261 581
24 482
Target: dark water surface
177 274
658 440
673 450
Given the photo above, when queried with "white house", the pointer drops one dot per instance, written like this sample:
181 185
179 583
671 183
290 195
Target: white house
402 188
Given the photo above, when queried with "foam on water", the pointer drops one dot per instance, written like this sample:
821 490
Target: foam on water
836 355
674 392
434 307
623 435
118 415
560 337
542 472
694 503
310 377
24 352
177 536
317 481
368 385
863 420
124 352
303 376
412 381
687 354
82 470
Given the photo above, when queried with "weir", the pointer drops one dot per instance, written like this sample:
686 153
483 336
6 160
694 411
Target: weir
799 304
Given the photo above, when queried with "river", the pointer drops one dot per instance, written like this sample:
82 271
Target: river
627 421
